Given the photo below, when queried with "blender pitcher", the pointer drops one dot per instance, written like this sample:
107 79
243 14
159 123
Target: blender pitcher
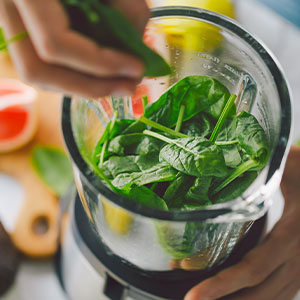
194 42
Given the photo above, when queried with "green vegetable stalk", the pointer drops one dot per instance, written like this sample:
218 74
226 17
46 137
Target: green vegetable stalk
4 43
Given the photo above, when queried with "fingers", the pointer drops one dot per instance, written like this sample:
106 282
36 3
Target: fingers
272 286
137 12
55 43
53 77
282 244
290 291
290 180
67 81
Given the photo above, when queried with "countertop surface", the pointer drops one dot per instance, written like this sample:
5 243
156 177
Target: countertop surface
37 280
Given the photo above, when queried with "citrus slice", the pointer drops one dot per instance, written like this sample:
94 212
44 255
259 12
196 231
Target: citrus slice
194 35
18 114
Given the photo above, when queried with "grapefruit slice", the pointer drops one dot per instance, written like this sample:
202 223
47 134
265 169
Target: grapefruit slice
18 114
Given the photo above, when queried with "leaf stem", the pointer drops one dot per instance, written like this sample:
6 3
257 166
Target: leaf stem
101 159
99 172
113 121
112 124
244 167
4 45
226 143
158 136
222 118
161 127
180 118
145 102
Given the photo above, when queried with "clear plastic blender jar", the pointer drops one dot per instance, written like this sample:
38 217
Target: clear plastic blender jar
194 41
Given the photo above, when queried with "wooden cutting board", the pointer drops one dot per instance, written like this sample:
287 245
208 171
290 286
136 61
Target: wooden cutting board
36 229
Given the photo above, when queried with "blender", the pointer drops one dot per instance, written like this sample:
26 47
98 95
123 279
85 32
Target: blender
114 248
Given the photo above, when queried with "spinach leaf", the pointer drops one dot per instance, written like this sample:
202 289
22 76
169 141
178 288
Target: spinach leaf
53 167
113 129
135 127
195 92
198 192
177 245
176 191
254 142
236 188
232 155
235 173
134 144
116 165
110 28
147 161
195 156
158 173
199 125
252 138
144 196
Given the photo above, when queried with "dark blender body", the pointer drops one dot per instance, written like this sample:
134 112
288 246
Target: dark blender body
118 237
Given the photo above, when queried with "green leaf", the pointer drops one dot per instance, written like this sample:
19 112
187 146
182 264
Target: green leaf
53 167
144 196
199 125
110 132
176 191
235 173
195 156
252 138
236 188
116 165
232 155
134 144
196 93
177 245
160 172
135 127
198 192
116 32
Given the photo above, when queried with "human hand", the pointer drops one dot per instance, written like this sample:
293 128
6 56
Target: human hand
58 58
271 270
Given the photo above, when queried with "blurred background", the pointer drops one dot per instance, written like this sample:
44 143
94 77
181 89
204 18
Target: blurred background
26 188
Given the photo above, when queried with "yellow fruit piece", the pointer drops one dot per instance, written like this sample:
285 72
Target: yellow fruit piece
224 7
118 219
196 35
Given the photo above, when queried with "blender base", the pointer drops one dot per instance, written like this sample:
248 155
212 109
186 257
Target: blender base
88 269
